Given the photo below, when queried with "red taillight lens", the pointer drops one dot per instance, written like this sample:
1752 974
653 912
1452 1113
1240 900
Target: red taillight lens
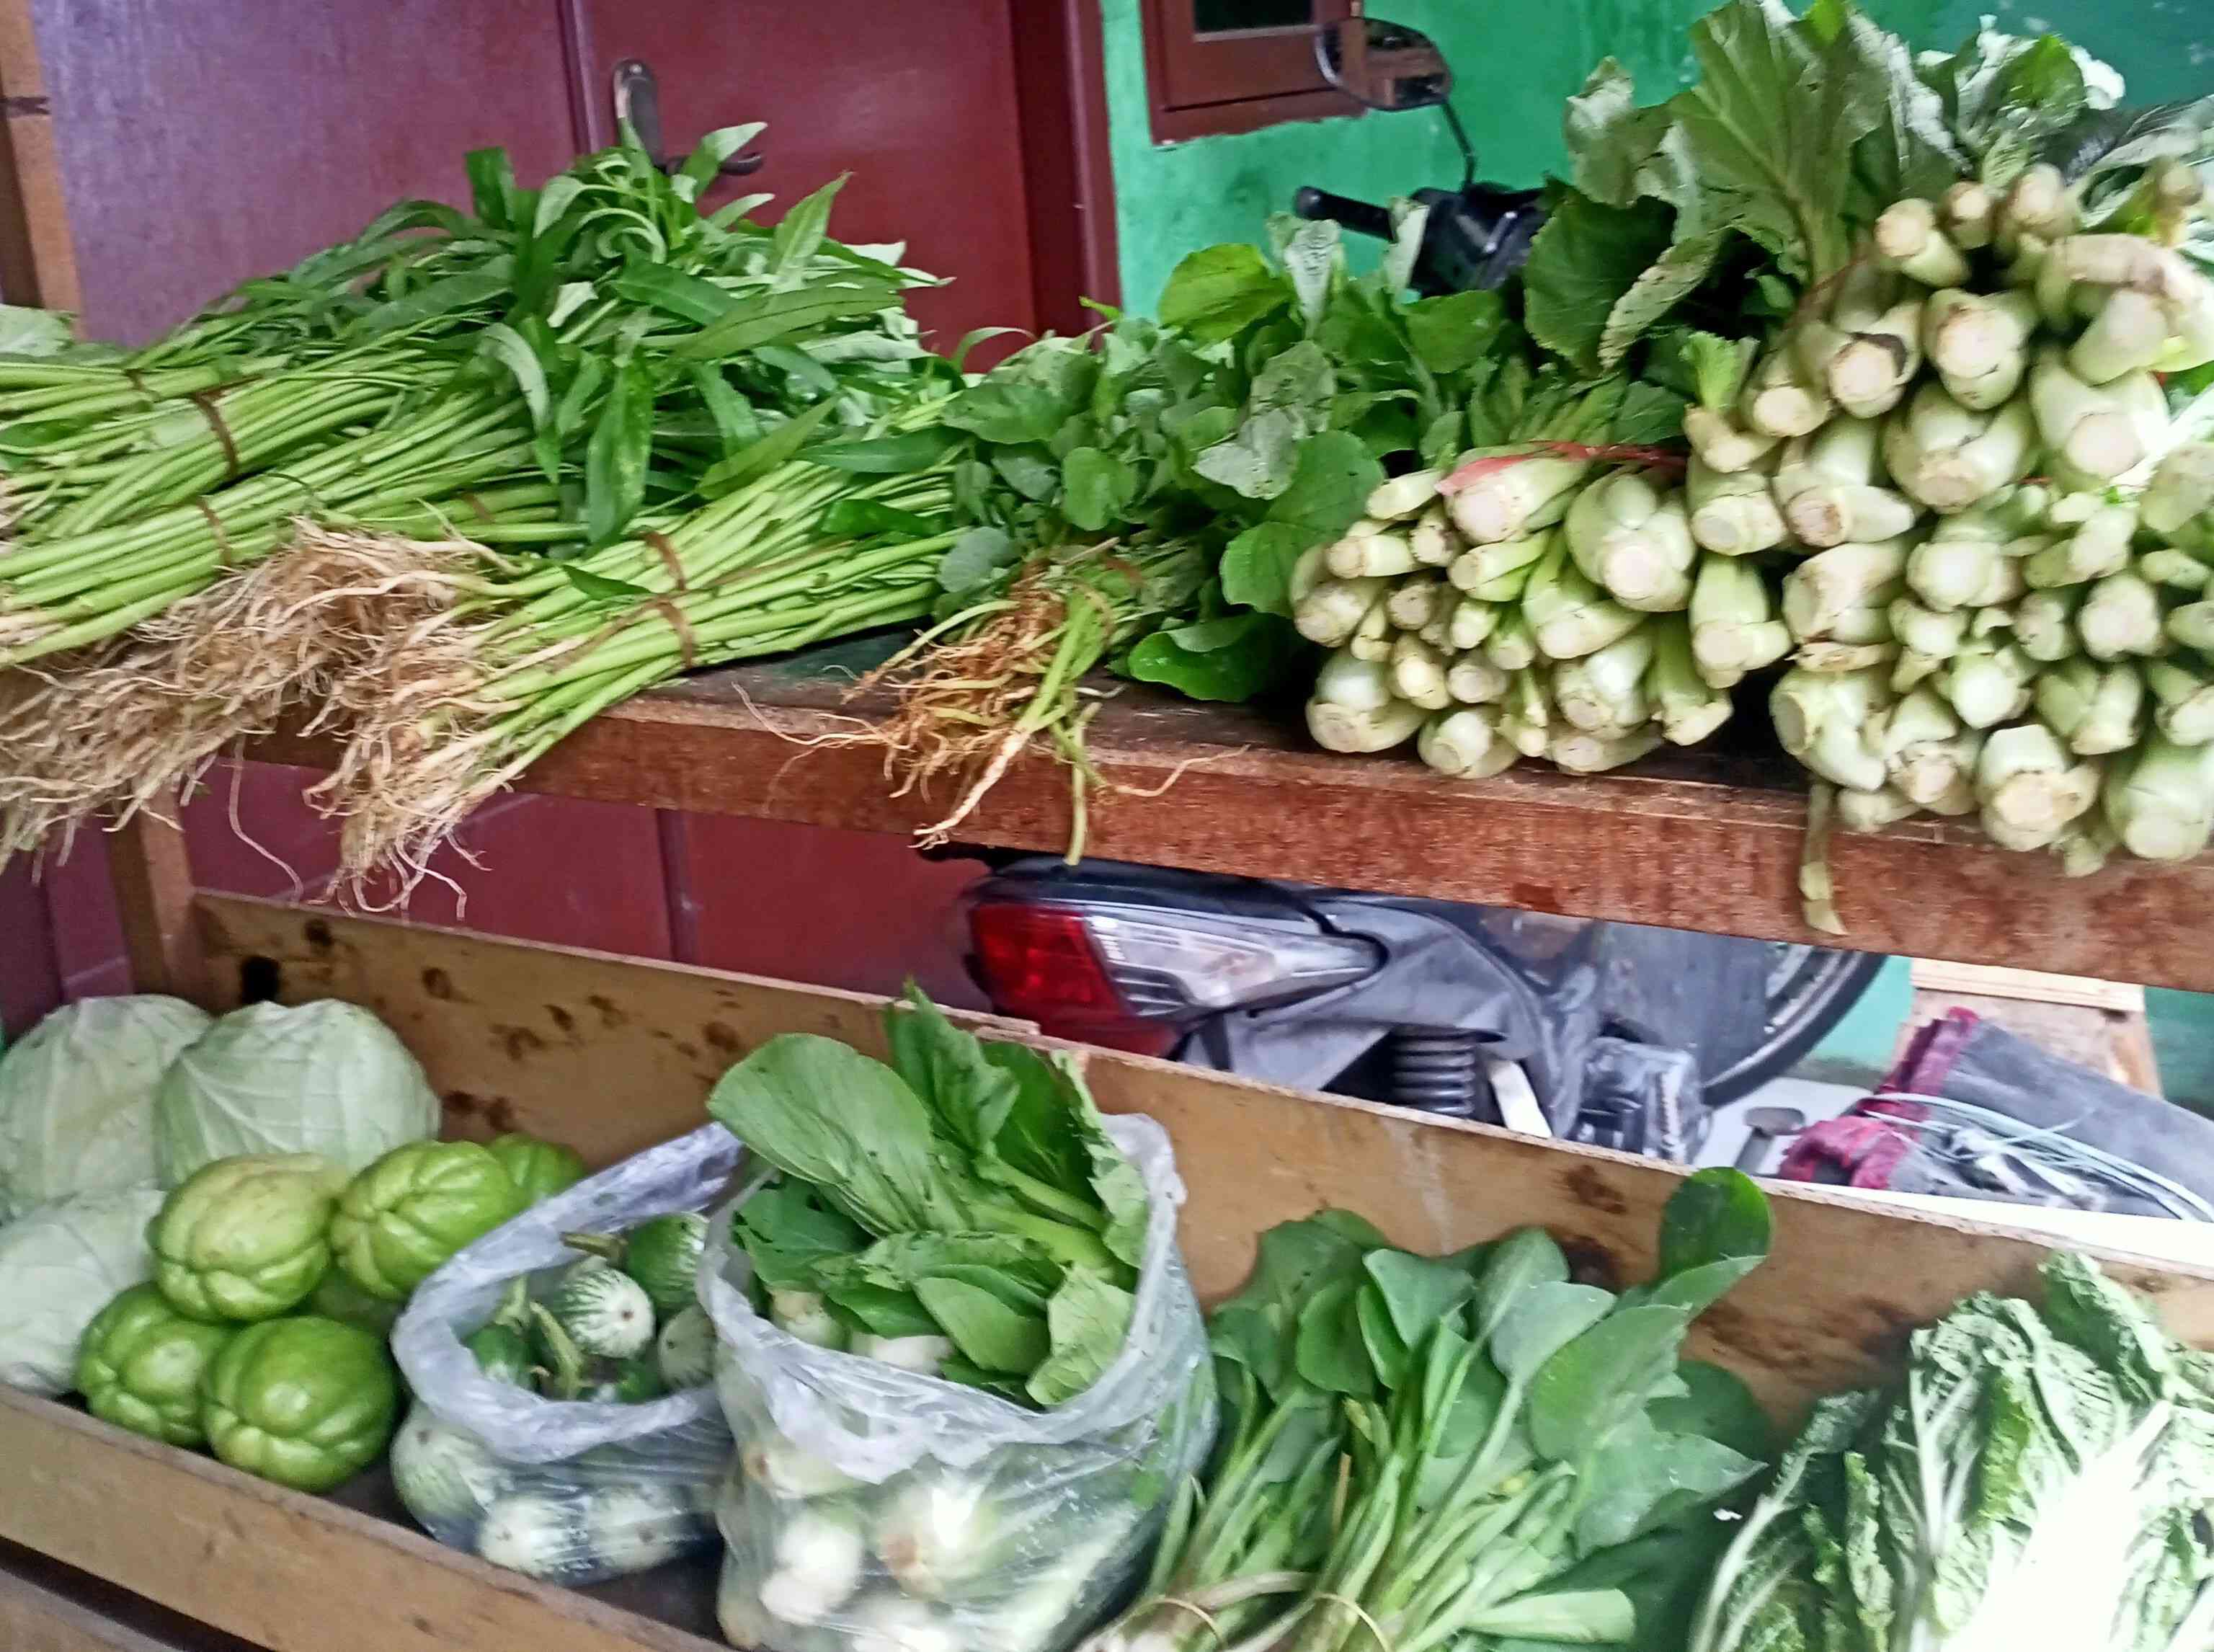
1041 964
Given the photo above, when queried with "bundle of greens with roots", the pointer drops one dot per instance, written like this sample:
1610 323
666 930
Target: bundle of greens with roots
451 407
1008 667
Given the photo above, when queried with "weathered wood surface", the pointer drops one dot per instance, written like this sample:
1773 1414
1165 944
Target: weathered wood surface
1706 841
615 1053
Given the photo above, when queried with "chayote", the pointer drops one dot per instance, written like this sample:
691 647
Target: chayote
305 1402
247 1238
140 1364
539 1169
404 1215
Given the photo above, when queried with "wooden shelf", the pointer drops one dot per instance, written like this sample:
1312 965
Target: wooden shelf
1706 841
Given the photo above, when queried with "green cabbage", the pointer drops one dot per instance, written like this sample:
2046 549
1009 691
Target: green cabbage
59 1266
77 1098
325 1078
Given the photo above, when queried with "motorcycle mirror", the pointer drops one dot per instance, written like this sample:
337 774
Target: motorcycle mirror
1383 66
1389 66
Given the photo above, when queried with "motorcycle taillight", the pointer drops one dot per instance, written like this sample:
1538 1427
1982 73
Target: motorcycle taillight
1040 964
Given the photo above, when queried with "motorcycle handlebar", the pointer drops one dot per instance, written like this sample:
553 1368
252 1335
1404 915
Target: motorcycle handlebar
1362 217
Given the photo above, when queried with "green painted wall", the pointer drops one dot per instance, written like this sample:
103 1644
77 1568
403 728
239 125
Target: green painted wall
1515 66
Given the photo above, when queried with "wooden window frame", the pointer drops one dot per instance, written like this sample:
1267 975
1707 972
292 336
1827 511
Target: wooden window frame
1203 86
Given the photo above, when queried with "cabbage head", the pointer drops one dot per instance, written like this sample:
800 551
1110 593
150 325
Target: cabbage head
59 1265
325 1078
77 1098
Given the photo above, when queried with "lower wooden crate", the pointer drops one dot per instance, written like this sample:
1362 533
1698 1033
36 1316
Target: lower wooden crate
615 1053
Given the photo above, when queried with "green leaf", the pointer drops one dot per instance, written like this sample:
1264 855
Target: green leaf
1713 1216
1332 1355
1524 1258
799 233
599 588
1097 487
752 322
1258 1327
975 560
1053 1134
1088 1319
492 188
986 1330
1455 330
1586 1390
1006 411
1645 1478
803 370
1387 1348
616 457
975 336
1218 292
688 297
1331 481
1584 260
853 518
1256 566
946 1068
1419 1291
1244 655
872 1155
1030 470
756 459
1541 1320
885 456
706 161
470 290
1256 459
1716 1404
787 1229
512 350
881 1310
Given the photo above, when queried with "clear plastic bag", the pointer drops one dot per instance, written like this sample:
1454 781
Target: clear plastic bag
871 1509
568 1491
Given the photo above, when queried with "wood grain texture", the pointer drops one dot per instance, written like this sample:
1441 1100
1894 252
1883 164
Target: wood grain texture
150 864
33 1619
284 1570
38 255
1692 839
204 141
46 1606
639 1043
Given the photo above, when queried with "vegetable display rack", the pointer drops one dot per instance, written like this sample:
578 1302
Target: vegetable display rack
1692 840
110 1542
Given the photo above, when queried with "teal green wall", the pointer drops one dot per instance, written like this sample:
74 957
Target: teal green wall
1516 65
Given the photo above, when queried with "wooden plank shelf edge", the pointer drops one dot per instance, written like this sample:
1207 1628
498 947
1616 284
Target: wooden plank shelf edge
1687 841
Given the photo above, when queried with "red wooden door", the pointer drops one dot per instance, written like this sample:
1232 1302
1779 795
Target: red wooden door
917 102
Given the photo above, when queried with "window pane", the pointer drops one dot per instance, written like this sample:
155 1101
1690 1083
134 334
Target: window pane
1224 17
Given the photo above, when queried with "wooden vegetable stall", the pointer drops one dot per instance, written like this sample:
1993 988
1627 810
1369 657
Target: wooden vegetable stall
113 1542
109 1541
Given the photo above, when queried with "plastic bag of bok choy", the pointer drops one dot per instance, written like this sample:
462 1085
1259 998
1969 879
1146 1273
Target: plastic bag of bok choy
871 1505
571 1490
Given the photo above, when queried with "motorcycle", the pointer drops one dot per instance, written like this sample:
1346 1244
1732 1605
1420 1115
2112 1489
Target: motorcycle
1612 1034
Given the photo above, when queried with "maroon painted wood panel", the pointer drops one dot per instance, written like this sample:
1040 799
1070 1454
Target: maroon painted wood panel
29 983
861 910
916 101
203 141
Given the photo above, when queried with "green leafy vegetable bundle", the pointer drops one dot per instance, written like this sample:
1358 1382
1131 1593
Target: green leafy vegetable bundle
552 449
1470 1451
2041 1476
961 1212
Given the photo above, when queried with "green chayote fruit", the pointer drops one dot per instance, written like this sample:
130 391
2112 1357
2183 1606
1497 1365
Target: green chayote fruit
400 1219
538 1169
140 1364
306 1401
247 1238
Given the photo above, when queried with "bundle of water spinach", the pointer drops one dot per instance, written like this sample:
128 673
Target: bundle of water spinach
962 1212
1469 1452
